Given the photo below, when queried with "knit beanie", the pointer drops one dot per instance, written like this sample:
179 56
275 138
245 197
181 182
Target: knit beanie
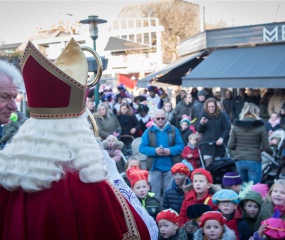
231 179
185 120
168 214
204 172
225 195
212 215
202 93
252 196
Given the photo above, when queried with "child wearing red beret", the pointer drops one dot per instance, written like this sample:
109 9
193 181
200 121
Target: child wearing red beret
140 186
212 227
201 193
168 224
174 196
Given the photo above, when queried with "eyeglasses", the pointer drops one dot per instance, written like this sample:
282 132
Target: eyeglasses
160 118
226 203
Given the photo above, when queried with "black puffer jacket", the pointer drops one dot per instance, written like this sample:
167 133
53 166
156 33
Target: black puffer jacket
173 197
247 138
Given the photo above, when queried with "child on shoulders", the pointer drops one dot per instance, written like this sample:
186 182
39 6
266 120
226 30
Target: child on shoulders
174 196
141 188
168 224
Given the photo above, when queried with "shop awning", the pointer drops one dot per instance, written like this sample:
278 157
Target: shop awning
252 67
173 72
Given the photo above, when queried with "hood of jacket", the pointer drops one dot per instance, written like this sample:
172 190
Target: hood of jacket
228 234
249 123
155 128
118 145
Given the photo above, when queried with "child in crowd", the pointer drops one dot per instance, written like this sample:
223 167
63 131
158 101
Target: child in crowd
271 229
168 224
201 193
274 123
132 161
141 188
113 146
274 203
250 202
190 151
232 180
167 108
174 196
143 118
184 130
212 227
227 201
194 212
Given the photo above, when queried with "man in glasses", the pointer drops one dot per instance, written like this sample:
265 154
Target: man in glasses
162 144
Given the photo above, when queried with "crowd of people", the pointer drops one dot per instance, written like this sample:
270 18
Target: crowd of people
59 181
175 189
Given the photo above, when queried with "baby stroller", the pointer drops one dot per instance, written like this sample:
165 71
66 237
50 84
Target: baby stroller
218 168
272 165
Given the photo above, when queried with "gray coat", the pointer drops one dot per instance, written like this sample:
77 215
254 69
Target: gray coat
107 125
228 234
181 109
247 138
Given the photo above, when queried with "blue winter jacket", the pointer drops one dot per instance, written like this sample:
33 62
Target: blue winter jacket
161 163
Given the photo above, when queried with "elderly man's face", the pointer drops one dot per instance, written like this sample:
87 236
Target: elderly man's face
8 93
160 119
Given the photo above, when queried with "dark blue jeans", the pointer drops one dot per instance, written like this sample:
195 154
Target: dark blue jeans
249 170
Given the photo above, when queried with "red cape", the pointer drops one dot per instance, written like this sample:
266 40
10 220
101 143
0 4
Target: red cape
70 210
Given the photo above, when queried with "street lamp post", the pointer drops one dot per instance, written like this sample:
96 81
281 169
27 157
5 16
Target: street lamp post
93 22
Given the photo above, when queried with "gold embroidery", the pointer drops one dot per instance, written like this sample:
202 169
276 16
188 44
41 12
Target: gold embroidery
133 233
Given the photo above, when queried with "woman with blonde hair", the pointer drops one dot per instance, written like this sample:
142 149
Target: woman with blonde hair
247 138
107 122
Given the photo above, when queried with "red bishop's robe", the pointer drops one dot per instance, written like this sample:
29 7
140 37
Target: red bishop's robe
70 210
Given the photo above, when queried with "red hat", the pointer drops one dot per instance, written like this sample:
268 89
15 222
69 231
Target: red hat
180 168
275 228
168 214
55 90
135 174
212 215
204 172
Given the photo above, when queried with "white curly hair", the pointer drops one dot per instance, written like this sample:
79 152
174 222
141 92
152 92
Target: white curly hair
44 149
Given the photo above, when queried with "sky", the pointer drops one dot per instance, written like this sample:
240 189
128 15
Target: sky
20 19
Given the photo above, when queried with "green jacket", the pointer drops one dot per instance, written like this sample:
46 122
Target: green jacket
247 138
